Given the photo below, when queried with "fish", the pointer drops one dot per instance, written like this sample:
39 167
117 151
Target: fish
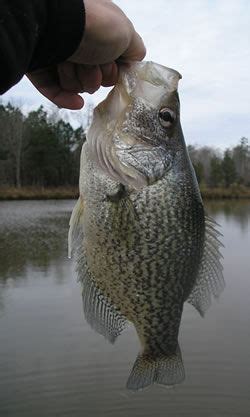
140 236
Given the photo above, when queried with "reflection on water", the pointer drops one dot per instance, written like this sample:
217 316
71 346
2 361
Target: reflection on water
237 211
32 235
52 363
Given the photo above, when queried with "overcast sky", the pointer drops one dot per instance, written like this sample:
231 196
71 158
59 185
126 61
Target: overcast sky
207 41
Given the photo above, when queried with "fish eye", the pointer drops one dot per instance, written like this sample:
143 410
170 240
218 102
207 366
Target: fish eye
166 117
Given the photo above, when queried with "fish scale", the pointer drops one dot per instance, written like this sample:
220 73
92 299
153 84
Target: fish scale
139 232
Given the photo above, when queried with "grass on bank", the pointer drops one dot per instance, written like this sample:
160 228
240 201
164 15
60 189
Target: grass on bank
60 193
36 193
234 191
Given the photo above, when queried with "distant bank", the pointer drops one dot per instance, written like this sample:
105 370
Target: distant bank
61 193
36 193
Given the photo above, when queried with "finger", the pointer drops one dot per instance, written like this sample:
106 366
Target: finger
136 50
62 98
68 77
90 77
46 82
109 74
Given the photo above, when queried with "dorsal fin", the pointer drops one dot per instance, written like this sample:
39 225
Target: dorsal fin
99 312
210 282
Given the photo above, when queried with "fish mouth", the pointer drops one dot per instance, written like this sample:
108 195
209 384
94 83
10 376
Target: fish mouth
129 157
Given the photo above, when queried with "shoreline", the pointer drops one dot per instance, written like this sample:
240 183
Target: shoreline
72 193
36 193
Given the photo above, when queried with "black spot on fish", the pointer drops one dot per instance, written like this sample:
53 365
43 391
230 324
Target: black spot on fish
119 195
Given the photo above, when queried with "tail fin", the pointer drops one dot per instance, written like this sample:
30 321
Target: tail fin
165 370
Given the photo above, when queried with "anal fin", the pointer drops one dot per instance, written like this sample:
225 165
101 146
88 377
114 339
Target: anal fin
210 282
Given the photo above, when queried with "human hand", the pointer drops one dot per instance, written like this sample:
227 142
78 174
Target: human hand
109 40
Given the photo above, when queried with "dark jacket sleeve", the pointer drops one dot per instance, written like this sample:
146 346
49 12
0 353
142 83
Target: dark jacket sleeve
35 34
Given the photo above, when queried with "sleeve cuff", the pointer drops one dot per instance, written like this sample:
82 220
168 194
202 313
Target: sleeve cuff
61 35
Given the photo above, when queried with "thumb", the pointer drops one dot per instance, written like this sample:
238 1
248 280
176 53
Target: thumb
136 50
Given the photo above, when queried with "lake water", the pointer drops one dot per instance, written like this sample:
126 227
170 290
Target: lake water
52 363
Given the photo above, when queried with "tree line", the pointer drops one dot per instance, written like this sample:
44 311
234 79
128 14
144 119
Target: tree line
216 168
38 149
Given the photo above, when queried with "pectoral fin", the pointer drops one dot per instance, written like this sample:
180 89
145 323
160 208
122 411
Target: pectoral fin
210 282
74 225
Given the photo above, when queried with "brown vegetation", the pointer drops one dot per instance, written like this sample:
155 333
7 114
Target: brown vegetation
40 159
234 191
36 193
61 193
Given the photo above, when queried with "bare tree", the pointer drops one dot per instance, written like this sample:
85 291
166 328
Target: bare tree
12 132
241 157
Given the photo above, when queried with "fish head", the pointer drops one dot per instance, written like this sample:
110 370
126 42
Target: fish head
135 131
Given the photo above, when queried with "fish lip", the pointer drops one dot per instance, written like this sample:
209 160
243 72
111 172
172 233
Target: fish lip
149 70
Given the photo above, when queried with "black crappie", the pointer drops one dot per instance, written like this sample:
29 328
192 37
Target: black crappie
143 244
